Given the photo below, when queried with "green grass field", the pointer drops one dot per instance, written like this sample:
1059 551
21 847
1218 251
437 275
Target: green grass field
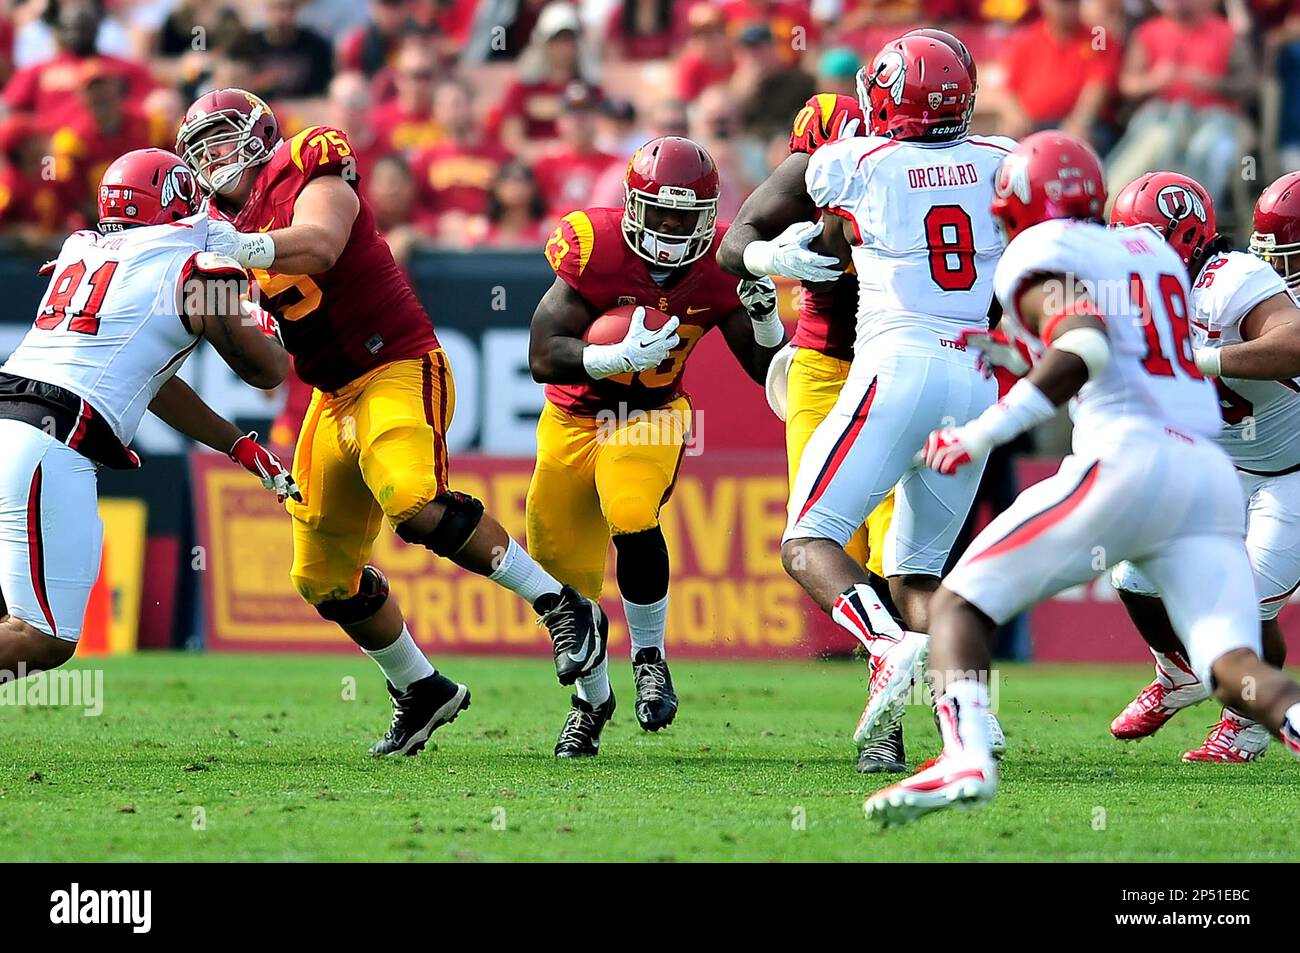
275 758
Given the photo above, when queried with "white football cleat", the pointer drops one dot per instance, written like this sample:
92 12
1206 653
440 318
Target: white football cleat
997 739
1231 742
947 781
892 675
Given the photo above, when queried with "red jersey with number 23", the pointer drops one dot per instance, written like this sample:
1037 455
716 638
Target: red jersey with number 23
358 315
588 251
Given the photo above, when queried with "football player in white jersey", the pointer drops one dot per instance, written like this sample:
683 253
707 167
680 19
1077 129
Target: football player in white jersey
1246 329
796 385
127 303
1107 313
908 206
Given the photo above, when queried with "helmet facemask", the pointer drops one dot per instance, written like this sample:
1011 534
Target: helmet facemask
1278 257
668 249
219 146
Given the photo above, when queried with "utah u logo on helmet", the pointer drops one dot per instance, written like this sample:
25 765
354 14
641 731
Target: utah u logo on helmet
1177 203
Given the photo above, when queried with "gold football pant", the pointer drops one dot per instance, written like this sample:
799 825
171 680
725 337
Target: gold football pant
596 478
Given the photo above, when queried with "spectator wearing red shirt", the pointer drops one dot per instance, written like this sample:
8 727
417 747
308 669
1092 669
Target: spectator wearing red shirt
390 190
36 206
707 57
516 211
50 91
1059 74
447 23
454 178
1190 73
567 175
348 108
108 127
371 48
526 118
405 123
643 30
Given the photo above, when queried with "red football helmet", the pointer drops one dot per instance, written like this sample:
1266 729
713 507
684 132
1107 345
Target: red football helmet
917 88
670 175
1275 235
1178 207
824 118
146 187
225 132
1048 175
954 44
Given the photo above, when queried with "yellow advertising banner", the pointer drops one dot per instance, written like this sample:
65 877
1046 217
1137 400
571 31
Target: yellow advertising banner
113 611
729 596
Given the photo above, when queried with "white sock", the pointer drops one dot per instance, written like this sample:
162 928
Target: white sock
594 688
646 624
402 663
1174 670
520 573
861 613
963 718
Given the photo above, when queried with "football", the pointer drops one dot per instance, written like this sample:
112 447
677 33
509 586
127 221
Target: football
611 327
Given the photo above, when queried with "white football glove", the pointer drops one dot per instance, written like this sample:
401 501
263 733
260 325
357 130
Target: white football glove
788 254
994 353
848 128
640 350
759 299
778 380
250 249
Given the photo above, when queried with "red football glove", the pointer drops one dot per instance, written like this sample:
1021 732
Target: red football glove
266 466
950 449
268 323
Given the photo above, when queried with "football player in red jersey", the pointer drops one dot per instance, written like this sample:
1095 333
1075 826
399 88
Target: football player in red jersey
373 444
614 429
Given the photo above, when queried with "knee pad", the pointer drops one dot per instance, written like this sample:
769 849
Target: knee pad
630 511
461 515
370 598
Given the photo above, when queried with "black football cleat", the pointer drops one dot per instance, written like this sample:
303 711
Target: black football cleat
579 632
885 756
580 736
424 707
656 702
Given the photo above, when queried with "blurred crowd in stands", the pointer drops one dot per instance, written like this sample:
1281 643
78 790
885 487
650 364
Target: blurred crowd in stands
479 122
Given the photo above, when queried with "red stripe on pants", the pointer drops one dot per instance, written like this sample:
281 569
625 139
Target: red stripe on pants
35 551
